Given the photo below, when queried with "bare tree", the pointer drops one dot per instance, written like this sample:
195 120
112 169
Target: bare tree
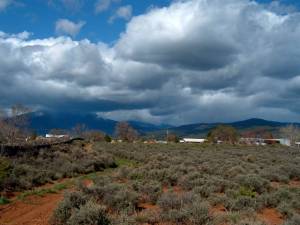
227 134
172 138
20 115
290 132
79 129
13 128
17 123
94 135
125 132
57 131
2 126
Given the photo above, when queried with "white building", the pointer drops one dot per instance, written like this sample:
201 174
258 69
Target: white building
261 141
55 136
192 140
161 142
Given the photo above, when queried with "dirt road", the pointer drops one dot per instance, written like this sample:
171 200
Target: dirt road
34 210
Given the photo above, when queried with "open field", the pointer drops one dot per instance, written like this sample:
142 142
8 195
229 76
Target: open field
177 184
190 184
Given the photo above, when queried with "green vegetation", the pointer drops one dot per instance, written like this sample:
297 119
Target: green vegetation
44 191
4 168
126 162
4 201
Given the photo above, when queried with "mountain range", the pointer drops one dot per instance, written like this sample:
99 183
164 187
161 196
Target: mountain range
43 122
201 129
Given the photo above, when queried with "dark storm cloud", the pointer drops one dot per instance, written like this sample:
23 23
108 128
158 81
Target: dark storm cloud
195 60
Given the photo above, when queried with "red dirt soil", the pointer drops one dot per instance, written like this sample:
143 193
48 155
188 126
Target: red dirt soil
275 184
148 206
291 184
217 210
88 183
35 211
271 217
165 189
176 189
294 184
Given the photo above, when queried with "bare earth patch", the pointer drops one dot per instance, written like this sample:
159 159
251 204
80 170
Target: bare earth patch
88 183
88 147
148 206
217 210
275 184
294 183
271 217
34 211
176 189
291 184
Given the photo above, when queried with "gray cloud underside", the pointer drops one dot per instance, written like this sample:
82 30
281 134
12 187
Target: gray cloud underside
196 60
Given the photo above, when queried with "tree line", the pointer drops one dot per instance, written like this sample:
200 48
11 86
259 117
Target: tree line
14 129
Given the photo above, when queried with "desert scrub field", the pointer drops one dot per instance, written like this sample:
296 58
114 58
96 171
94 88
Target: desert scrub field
190 184
61 161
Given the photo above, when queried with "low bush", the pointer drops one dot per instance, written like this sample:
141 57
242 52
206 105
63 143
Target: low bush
286 210
199 213
59 161
89 214
254 182
235 177
72 201
177 216
122 199
168 201
295 220
243 203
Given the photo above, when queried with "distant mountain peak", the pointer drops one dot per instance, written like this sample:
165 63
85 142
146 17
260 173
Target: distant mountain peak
44 121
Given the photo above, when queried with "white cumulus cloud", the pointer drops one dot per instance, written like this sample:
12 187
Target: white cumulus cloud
195 60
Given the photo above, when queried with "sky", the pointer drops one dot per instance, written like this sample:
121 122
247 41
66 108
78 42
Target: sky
159 61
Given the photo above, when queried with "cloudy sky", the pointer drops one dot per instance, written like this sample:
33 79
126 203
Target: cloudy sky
158 61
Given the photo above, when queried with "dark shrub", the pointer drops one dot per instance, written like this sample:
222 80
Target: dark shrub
254 182
293 221
199 213
121 199
72 201
151 190
89 214
286 210
244 202
169 201
177 216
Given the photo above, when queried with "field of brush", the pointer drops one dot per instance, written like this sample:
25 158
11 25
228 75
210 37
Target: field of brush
155 184
189 184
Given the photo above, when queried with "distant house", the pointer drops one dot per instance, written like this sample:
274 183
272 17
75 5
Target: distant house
192 140
282 141
161 142
252 141
263 141
56 136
